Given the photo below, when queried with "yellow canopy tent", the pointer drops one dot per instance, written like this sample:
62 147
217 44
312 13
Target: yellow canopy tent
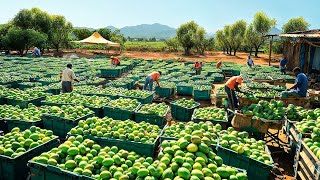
96 38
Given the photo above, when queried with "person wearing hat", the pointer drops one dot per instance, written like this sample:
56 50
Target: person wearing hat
197 67
300 87
154 76
230 87
36 52
115 61
67 78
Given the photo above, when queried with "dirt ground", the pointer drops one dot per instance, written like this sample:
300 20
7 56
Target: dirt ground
240 58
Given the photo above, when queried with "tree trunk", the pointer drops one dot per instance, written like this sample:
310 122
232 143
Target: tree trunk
235 51
250 51
224 50
256 51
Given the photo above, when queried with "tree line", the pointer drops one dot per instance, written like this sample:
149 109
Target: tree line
36 28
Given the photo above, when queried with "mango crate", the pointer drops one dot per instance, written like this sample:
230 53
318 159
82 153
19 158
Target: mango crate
201 94
151 118
54 91
164 92
111 72
24 104
184 90
16 168
224 123
119 114
3 101
23 125
255 169
182 113
3 126
146 100
61 126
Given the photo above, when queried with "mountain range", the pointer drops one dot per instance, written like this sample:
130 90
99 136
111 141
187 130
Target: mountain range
156 30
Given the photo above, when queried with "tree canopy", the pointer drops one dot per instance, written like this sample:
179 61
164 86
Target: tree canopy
296 24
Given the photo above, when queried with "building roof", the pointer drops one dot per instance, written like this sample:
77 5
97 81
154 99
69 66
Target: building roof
315 33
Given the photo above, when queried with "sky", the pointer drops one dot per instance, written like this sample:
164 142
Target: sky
210 14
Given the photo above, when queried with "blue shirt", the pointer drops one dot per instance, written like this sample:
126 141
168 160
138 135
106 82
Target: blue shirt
303 88
37 52
283 62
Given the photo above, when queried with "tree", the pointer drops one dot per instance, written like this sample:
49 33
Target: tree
200 40
23 39
237 31
4 28
172 44
296 24
210 44
117 37
226 32
262 25
221 41
60 30
81 33
105 33
186 36
252 38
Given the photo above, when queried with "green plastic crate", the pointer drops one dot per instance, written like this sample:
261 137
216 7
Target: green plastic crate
146 100
3 101
151 118
254 168
23 86
202 94
235 72
164 92
48 172
184 90
223 123
23 125
119 114
111 72
97 111
181 113
60 126
54 91
3 126
24 104
46 83
218 79
16 168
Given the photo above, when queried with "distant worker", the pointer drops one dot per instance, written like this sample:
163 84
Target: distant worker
230 87
36 52
67 79
197 67
115 61
300 87
250 62
283 65
154 76
218 65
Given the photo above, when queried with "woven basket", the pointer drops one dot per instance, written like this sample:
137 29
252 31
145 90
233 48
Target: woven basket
240 121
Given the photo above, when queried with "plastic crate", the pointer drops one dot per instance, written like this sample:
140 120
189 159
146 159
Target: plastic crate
202 94
111 72
146 100
46 83
235 72
16 168
151 118
3 101
119 114
23 125
223 123
3 126
54 91
184 90
181 113
97 111
218 79
255 169
24 104
23 87
164 92
61 126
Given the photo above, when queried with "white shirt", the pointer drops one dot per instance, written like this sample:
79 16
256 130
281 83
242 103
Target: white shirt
68 75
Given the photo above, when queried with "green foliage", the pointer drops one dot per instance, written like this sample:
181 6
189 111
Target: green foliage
252 37
145 46
105 33
23 39
186 36
4 28
237 31
60 30
173 44
117 37
296 24
81 33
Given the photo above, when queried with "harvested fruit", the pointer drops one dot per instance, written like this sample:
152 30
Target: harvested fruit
210 113
272 110
154 109
29 114
186 103
125 104
68 111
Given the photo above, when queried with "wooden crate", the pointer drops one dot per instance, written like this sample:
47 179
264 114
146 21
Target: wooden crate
297 101
306 164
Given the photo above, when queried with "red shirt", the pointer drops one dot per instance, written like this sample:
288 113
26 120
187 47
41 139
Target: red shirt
232 81
155 76
116 60
197 65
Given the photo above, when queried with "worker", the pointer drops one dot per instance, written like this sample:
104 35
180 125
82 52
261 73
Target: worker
300 87
230 87
218 65
67 79
115 61
250 62
36 52
197 67
154 76
283 65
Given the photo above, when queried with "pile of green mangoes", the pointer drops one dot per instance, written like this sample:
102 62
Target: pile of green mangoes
189 104
154 109
49 79
272 110
242 144
23 95
117 129
210 113
30 114
136 93
314 146
69 112
179 130
202 87
31 83
16 143
85 89
113 91
125 104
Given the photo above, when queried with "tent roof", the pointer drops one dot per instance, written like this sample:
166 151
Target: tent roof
96 38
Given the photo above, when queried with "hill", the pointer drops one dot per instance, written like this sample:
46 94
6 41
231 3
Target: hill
156 30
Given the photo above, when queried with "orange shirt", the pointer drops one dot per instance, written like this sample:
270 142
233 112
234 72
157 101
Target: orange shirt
197 65
218 64
116 60
155 76
232 81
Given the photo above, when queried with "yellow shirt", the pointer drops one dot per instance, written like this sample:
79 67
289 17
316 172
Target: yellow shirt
68 75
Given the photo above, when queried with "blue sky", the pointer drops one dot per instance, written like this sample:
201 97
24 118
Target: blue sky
210 14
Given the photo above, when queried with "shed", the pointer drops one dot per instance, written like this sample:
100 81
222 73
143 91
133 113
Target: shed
302 49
